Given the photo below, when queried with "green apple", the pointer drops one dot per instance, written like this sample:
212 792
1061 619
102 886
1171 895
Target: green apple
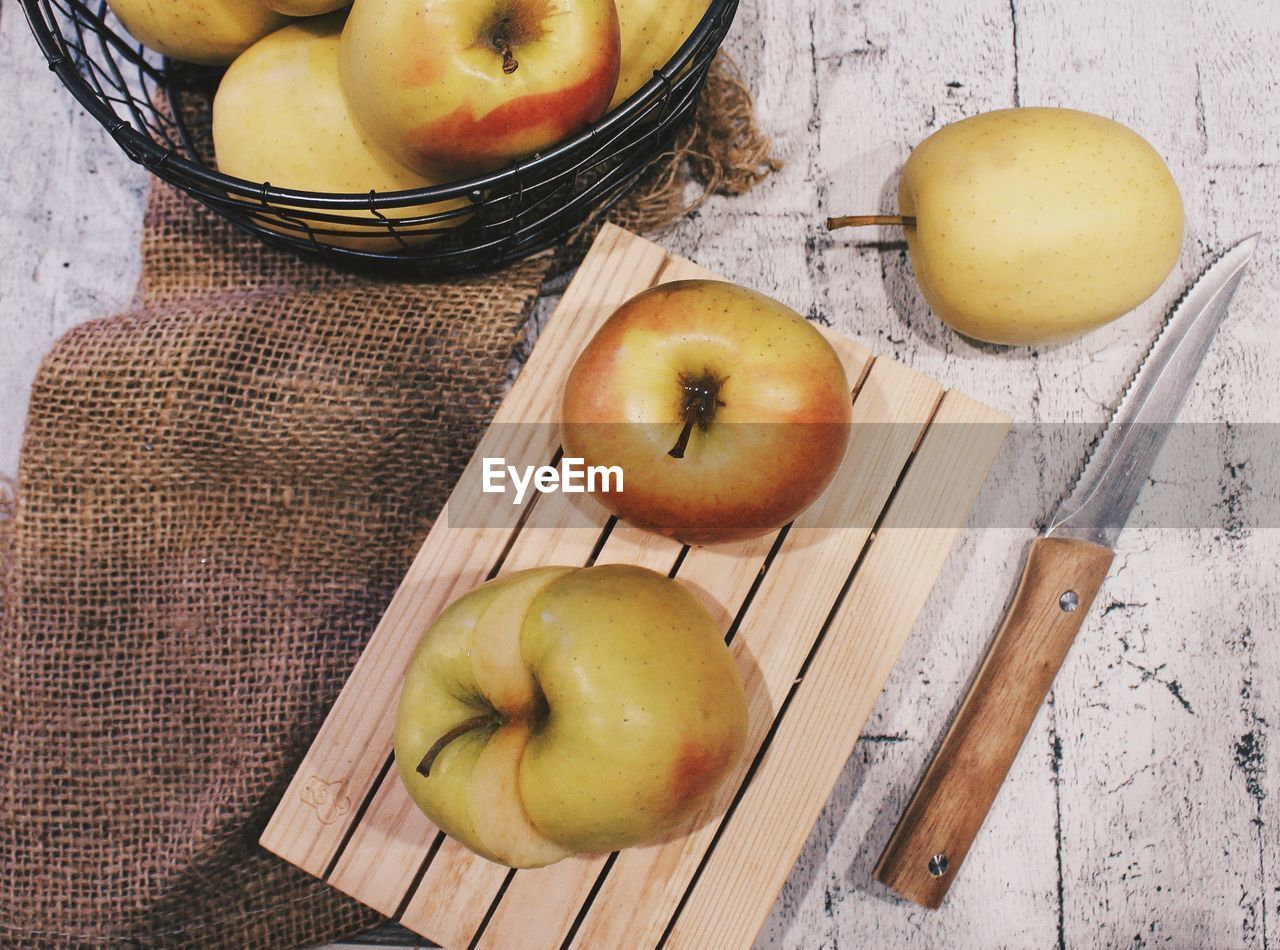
212 32
459 87
651 31
1034 225
564 710
727 411
279 116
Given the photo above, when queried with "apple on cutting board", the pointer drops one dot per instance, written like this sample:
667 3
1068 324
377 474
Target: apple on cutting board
727 411
464 86
563 710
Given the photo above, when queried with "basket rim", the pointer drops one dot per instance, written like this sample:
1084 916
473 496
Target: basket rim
166 162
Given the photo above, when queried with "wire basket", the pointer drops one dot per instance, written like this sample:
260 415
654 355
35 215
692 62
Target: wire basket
158 110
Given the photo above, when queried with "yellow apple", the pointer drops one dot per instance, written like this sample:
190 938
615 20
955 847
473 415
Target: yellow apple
1034 225
651 31
306 7
727 411
212 32
279 116
564 710
465 86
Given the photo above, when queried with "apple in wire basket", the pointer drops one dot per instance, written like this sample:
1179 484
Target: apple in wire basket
210 32
460 87
727 411
652 31
279 116
565 710
305 7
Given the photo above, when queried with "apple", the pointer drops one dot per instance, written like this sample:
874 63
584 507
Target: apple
651 31
211 32
460 87
279 116
727 411
564 710
305 7
1035 225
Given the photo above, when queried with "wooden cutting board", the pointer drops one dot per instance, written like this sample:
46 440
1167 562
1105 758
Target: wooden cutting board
816 614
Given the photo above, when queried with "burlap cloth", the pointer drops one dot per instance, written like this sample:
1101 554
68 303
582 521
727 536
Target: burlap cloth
218 493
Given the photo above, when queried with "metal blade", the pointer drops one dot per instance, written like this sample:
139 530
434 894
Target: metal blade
1121 460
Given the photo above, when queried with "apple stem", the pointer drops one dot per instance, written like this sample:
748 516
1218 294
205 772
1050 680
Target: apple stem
682 443
461 729
502 45
701 399
863 220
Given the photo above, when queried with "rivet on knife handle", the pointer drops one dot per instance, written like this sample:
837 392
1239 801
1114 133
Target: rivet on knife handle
1059 582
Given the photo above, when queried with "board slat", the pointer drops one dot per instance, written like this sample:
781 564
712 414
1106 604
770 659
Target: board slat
382 865
775 595
627 544
455 885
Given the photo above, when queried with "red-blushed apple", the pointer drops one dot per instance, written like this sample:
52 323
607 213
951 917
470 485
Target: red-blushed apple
464 86
652 31
565 710
727 411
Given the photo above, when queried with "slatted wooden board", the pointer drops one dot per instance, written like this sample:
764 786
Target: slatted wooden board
818 614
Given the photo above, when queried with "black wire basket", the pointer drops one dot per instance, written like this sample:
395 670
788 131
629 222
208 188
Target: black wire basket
157 111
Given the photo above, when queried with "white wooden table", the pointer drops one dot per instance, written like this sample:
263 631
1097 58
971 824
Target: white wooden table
1145 805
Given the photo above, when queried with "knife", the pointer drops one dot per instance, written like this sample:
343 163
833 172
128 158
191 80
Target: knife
1064 569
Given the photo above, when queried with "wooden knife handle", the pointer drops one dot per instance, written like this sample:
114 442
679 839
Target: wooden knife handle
1059 583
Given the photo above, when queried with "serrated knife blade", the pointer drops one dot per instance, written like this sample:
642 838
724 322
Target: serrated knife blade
1064 570
1121 460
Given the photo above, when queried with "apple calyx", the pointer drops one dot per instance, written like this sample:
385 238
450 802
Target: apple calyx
864 220
698 404
457 732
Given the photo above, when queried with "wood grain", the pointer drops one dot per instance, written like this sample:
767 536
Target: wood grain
935 833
